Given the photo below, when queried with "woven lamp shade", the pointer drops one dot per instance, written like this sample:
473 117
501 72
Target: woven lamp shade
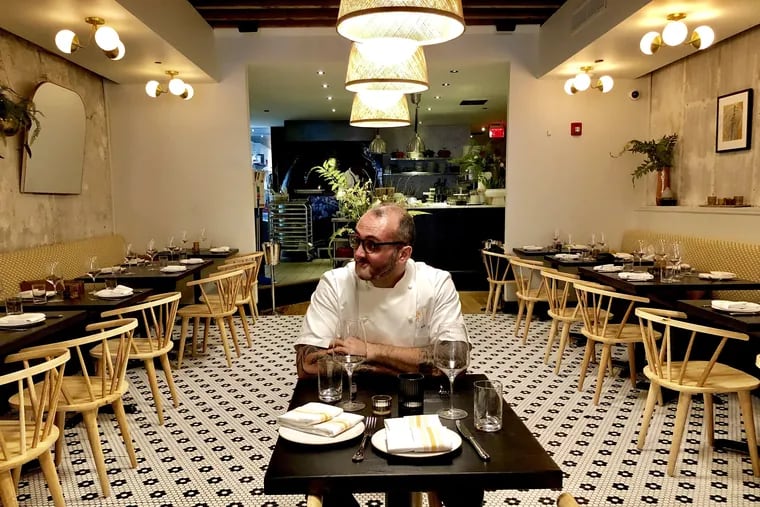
422 21
364 113
407 75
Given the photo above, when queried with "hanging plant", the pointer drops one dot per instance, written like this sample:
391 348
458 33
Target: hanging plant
17 114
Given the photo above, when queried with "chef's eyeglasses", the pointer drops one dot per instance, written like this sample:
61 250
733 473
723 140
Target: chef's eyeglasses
370 245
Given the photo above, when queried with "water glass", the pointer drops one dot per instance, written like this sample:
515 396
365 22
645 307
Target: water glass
381 404
329 380
487 406
411 393
14 305
39 293
163 260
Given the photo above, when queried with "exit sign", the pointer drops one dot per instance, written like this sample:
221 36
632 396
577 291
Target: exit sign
496 130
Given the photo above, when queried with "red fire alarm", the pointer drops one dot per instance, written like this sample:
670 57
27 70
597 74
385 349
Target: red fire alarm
576 128
496 130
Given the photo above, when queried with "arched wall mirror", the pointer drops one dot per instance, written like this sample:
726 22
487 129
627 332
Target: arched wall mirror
55 166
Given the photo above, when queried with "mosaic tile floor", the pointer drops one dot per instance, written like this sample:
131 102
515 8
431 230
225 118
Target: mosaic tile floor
214 449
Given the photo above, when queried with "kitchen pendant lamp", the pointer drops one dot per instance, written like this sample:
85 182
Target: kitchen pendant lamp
366 113
421 21
416 147
378 144
407 74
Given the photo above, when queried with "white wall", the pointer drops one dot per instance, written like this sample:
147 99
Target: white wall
183 165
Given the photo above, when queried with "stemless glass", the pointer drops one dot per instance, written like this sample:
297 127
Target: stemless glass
350 349
451 355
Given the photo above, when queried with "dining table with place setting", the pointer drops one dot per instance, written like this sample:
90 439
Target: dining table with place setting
32 327
323 448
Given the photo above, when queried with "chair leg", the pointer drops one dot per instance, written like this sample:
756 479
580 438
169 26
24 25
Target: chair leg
496 300
166 365
225 345
51 477
60 421
562 345
150 372
90 418
182 338
253 310
241 312
709 427
550 340
528 318
745 402
433 500
584 366
233 334
206 327
7 491
520 310
632 363
652 395
121 418
682 413
606 358
490 299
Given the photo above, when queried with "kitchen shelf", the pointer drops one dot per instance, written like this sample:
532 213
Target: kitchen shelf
291 226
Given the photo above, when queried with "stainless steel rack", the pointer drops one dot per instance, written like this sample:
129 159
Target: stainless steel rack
291 226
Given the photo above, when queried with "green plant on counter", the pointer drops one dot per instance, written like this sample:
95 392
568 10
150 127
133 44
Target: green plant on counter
17 113
659 154
353 200
482 165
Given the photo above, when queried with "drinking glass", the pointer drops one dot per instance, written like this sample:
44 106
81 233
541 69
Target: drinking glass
53 279
349 349
129 255
638 253
451 355
203 236
92 267
675 259
602 242
184 240
151 253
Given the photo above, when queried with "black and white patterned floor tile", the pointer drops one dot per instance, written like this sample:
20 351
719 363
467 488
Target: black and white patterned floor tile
213 450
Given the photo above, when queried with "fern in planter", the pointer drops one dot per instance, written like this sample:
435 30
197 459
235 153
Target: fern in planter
353 200
16 114
659 154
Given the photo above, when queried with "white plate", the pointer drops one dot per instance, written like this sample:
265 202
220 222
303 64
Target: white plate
733 306
21 320
109 294
379 443
173 269
219 249
192 260
300 437
722 275
532 248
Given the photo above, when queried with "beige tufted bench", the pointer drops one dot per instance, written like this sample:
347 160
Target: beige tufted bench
30 263
708 254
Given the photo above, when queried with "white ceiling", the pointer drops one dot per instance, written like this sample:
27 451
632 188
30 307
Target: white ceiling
172 33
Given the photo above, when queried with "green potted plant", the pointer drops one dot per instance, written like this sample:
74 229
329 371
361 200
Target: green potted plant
17 113
659 158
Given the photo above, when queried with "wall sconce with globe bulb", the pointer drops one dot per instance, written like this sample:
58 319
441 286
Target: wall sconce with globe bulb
582 82
175 86
675 33
106 38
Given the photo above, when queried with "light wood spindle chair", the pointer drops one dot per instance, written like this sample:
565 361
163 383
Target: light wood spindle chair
88 390
530 289
670 365
156 314
497 270
244 297
257 257
221 308
32 432
596 309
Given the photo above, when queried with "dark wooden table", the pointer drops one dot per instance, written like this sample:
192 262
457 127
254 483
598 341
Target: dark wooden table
517 459
700 309
92 305
531 254
56 322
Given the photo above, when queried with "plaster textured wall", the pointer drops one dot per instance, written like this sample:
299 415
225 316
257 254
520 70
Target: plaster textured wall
35 219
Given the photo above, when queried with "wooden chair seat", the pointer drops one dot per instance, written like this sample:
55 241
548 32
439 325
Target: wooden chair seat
669 365
529 289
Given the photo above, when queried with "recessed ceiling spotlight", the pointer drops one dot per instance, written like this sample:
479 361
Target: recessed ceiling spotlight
482 129
437 97
329 97
158 62
325 85
430 108
454 71
321 72
446 84
333 110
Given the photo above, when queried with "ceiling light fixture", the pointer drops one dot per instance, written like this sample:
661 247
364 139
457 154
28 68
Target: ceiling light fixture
407 74
106 38
416 146
175 86
423 21
392 113
675 33
582 82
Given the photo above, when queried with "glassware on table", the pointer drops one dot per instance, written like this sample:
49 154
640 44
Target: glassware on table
675 258
451 355
602 243
92 267
54 280
203 237
185 239
151 253
129 256
556 241
349 349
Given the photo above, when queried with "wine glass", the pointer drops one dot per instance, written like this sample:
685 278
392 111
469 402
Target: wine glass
184 240
54 279
203 236
602 242
556 241
129 255
92 267
675 259
349 348
451 355
638 253
151 253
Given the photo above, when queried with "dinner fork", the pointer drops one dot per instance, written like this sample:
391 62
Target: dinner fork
368 428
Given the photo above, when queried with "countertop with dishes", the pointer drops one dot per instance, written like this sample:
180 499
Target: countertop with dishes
443 205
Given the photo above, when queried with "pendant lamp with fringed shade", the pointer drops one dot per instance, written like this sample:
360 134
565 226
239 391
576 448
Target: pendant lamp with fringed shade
369 70
420 21
392 111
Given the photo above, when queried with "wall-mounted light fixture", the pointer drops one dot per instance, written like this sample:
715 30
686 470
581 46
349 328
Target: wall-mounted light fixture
105 37
582 82
175 86
675 33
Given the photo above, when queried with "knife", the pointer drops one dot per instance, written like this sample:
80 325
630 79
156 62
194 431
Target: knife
468 436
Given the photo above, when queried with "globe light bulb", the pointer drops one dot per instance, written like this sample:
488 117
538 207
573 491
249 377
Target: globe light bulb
674 33
106 38
176 86
120 51
151 88
650 43
569 88
65 41
703 37
189 92
582 81
605 84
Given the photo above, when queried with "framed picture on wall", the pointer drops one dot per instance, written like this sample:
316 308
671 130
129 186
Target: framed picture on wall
734 121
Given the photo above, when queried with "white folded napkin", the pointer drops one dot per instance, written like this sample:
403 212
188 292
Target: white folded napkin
717 275
608 268
173 269
417 433
331 428
532 247
27 294
309 414
624 256
218 249
735 306
636 276
118 291
21 319
567 256
191 260
113 269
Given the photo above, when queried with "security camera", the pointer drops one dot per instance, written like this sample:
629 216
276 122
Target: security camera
634 94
